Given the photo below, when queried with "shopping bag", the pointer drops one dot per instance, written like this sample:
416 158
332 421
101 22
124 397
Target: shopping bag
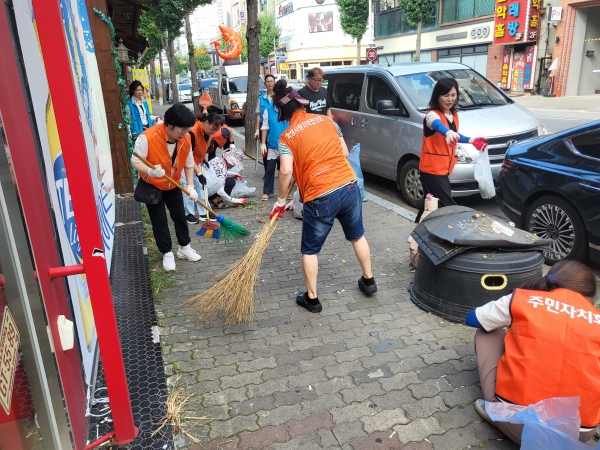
483 175
550 424
213 183
354 160
241 189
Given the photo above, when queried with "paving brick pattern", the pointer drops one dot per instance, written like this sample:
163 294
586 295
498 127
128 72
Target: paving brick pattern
366 373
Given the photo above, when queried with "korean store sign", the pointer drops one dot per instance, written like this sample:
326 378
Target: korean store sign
516 21
9 351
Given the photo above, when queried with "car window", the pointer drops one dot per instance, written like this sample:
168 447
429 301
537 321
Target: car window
239 85
378 89
587 144
474 91
344 90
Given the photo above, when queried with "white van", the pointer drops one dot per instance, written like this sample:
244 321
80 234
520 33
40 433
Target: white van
382 107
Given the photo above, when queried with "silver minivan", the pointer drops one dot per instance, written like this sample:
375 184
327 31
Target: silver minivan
382 107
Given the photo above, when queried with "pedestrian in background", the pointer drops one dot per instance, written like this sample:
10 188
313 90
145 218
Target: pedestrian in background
264 100
551 348
168 147
440 139
138 109
271 130
315 93
200 134
313 148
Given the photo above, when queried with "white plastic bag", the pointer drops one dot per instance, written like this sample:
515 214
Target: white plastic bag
483 175
298 206
213 183
241 189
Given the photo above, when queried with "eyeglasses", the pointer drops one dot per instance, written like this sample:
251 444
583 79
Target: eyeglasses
319 81
183 130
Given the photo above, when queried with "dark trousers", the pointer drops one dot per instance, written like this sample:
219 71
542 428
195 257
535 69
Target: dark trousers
173 200
271 165
438 186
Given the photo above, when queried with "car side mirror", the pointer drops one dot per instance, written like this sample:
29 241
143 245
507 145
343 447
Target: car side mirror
387 108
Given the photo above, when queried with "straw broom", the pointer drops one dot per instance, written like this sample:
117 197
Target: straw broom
232 297
230 231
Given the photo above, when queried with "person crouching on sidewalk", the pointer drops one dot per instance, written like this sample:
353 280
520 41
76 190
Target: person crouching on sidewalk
313 149
551 348
168 147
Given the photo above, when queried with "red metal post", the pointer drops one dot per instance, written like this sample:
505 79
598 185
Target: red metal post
62 89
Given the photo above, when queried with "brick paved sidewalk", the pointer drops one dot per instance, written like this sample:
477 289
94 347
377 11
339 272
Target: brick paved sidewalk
366 373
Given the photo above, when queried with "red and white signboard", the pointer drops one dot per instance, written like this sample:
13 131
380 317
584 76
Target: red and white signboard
371 54
9 351
516 21
506 62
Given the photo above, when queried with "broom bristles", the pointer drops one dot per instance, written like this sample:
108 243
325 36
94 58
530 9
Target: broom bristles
231 232
232 297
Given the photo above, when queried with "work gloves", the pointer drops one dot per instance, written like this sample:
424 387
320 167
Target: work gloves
278 209
201 179
256 135
480 144
263 150
192 194
452 137
157 172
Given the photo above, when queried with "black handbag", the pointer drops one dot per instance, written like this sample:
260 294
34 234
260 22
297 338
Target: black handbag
147 193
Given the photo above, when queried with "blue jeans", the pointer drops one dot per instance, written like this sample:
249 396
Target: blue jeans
189 205
345 205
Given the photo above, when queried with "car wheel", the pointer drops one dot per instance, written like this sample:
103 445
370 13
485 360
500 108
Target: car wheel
553 218
409 183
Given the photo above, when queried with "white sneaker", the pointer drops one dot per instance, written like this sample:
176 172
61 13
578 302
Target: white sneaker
168 262
189 253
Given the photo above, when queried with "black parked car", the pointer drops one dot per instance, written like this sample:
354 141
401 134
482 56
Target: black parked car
550 186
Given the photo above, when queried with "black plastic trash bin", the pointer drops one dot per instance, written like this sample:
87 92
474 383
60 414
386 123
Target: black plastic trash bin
466 281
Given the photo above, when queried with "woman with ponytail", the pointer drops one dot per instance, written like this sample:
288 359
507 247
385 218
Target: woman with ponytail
312 148
551 347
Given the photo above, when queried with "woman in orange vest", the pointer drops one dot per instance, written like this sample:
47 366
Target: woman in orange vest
312 148
206 125
440 136
168 147
223 138
551 348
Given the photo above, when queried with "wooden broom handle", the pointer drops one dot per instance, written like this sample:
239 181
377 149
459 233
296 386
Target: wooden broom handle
171 180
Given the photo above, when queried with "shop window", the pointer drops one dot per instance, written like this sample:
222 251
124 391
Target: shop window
472 56
457 10
344 91
390 20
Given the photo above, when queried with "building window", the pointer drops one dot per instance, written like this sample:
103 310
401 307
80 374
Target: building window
405 57
474 57
347 63
325 64
457 10
390 20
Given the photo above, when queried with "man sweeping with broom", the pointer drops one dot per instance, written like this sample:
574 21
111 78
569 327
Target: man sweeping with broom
313 150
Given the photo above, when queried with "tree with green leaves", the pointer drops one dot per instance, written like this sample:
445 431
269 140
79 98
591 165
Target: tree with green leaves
167 15
180 65
416 13
269 33
354 17
154 36
203 60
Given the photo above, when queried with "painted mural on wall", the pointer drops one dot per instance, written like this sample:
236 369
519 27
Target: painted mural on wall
86 81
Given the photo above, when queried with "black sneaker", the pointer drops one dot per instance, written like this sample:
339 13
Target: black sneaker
205 218
191 219
302 300
366 288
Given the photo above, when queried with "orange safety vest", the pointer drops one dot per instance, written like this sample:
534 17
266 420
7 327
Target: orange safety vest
437 157
218 137
552 349
158 153
319 164
200 144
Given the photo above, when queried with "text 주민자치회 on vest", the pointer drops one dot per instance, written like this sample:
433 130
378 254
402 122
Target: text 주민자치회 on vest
552 349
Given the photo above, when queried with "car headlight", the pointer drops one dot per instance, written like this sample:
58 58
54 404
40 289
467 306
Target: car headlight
463 155
234 105
542 130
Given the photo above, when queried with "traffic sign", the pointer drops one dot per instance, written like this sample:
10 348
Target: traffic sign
371 54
